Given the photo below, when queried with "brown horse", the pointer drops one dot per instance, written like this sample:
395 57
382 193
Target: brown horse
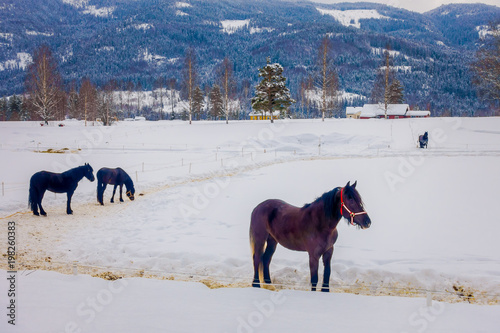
312 228
116 177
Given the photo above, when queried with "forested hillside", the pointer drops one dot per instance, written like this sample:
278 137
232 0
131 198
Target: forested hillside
139 41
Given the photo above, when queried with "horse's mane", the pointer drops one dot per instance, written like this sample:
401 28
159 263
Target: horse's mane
128 180
328 199
72 171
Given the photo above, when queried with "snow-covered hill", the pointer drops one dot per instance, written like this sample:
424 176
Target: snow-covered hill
433 227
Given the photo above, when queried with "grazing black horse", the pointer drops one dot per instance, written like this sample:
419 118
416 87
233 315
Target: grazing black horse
423 140
65 182
312 228
116 177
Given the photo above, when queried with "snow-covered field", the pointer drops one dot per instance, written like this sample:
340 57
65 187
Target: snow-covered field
434 226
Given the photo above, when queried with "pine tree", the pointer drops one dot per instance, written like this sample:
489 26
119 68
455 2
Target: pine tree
395 93
197 102
216 102
4 107
14 108
271 94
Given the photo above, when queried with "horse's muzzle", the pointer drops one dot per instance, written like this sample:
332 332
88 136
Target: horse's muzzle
366 223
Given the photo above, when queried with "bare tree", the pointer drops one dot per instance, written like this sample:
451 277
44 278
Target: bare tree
382 92
73 101
160 85
106 104
190 79
327 79
87 102
172 82
487 65
43 83
225 74
138 89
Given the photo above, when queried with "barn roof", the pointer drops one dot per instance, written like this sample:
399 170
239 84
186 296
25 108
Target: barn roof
374 110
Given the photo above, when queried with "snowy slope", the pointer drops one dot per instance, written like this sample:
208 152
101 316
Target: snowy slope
433 212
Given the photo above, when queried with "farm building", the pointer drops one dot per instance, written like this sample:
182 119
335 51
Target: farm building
353 112
254 115
394 111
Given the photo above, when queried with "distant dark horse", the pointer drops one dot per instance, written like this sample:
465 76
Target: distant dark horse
65 182
116 177
423 140
312 228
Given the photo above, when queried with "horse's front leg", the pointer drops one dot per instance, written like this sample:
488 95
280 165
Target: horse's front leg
327 260
313 267
68 207
113 196
121 198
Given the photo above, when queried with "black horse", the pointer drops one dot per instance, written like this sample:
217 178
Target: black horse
423 140
116 177
312 228
65 182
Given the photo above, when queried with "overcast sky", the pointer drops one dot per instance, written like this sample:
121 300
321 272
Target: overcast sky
416 5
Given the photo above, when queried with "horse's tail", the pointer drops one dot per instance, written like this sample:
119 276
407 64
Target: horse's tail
100 188
33 196
100 192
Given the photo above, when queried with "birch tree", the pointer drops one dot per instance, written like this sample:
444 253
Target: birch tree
43 84
326 80
225 73
190 79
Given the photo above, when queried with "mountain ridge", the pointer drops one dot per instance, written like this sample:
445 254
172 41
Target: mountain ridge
140 40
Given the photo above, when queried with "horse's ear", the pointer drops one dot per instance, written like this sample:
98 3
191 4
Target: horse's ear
348 184
354 185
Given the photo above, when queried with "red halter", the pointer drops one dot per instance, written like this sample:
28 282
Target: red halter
342 204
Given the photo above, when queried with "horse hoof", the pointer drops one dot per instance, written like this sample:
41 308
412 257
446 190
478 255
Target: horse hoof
112 201
325 290
36 214
70 213
121 200
44 214
256 284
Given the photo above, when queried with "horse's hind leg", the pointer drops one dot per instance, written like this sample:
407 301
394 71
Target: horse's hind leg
68 206
267 256
113 196
258 243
